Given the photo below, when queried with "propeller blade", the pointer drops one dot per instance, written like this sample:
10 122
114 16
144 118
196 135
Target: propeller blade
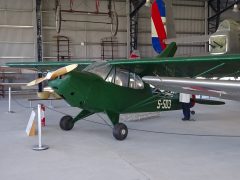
36 81
54 74
63 71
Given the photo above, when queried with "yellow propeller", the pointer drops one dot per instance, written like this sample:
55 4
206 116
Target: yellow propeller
54 74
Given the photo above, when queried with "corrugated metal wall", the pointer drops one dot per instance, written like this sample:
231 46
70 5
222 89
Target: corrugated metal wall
81 32
189 20
17 29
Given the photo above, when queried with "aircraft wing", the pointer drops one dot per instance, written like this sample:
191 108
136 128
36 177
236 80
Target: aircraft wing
216 88
48 66
205 66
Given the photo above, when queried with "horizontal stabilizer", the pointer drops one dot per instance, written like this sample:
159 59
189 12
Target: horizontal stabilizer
209 102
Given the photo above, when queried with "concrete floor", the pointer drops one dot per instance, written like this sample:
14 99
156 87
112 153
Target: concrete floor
90 152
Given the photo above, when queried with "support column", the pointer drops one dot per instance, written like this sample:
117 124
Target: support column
134 7
37 21
128 3
206 24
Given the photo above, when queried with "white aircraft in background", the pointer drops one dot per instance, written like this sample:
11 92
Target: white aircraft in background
226 40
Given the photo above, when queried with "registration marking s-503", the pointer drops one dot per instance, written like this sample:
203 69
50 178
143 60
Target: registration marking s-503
164 104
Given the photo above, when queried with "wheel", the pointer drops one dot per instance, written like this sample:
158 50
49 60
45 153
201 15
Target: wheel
114 23
66 123
192 112
120 131
58 18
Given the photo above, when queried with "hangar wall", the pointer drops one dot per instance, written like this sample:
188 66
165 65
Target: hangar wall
16 30
83 32
189 20
18 20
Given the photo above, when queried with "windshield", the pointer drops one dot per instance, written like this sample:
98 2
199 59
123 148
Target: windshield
115 75
101 69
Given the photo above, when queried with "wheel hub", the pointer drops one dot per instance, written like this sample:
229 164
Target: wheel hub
123 132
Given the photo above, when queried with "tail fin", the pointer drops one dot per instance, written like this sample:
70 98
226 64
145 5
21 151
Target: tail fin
169 51
158 25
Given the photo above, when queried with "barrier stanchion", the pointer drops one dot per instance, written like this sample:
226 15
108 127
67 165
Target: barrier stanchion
9 99
40 147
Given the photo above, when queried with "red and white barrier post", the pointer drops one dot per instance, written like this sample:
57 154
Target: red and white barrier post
43 118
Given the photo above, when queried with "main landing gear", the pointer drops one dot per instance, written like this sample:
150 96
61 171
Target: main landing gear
66 123
120 131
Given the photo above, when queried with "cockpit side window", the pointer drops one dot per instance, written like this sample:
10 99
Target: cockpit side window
111 75
135 81
124 78
121 78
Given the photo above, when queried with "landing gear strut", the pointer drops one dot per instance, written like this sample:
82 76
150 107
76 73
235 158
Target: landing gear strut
66 123
120 131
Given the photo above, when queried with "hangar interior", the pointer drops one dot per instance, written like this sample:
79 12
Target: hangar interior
160 146
18 28
86 34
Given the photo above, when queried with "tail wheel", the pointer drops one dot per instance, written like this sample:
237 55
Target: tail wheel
66 123
120 131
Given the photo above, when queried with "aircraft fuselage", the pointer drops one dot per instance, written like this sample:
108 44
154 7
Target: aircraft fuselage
90 92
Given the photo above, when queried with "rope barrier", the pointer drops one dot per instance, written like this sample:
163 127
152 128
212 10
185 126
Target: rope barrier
140 130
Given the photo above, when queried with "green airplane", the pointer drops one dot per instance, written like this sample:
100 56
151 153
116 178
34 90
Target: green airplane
117 87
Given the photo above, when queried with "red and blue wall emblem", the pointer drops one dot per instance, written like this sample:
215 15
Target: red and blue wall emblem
158 25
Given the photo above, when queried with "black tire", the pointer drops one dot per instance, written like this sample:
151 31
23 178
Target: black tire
120 131
193 112
66 123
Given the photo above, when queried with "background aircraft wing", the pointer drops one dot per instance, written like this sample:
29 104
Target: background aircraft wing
216 88
206 66
48 66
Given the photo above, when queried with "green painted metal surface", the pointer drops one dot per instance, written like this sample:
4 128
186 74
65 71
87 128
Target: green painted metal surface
205 66
93 94
48 65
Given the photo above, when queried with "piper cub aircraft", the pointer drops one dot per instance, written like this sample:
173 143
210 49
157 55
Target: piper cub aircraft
116 87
